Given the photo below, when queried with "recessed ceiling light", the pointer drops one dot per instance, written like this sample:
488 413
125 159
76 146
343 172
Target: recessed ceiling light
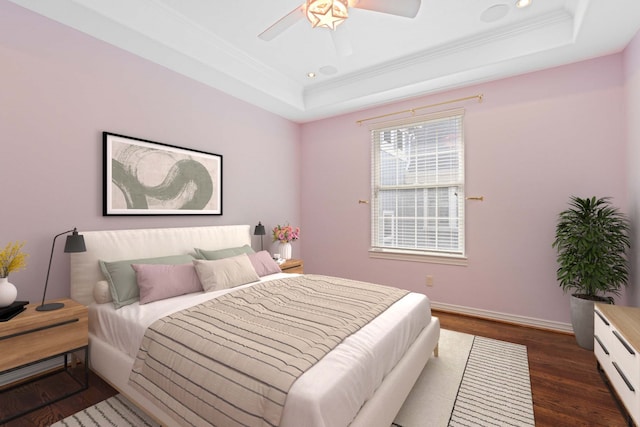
494 13
311 74
328 70
523 3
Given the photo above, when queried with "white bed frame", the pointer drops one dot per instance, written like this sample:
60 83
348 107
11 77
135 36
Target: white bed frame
113 366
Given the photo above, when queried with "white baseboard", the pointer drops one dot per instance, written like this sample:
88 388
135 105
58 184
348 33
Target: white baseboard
511 318
28 371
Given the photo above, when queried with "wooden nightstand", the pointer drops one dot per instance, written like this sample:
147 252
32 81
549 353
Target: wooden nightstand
292 266
36 336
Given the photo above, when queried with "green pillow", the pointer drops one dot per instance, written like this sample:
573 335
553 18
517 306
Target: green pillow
224 253
122 277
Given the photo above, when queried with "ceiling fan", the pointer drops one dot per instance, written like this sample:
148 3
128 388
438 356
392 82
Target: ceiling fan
331 13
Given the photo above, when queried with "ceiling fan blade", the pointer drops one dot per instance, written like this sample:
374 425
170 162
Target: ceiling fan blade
283 24
342 40
406 8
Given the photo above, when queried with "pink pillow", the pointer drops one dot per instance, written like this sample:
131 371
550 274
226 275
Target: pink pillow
159 281
263 264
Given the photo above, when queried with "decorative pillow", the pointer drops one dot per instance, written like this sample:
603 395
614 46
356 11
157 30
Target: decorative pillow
225 273
224 253
101 292
160 281
122 278
263 264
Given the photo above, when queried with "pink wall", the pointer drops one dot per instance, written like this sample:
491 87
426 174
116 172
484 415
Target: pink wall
631 59
535 140
61 89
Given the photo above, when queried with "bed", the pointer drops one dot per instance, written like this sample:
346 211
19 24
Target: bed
366 391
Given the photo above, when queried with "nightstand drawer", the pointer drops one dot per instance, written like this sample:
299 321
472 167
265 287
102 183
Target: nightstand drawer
56 339
292 266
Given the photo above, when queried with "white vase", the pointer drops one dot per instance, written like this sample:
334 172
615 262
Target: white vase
285 250
8 292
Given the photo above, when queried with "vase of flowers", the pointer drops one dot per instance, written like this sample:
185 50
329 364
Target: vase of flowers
11 259
285 234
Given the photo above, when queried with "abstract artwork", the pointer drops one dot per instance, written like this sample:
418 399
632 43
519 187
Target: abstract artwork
150 178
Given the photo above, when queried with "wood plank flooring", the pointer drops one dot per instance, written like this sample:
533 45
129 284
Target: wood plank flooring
567 389
566 386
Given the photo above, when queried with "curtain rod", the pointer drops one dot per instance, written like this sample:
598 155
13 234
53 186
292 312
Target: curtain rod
413 110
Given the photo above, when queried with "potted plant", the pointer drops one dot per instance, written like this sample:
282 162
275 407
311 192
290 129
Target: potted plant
592 238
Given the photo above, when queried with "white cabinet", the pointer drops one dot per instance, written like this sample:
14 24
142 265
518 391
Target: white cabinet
617 347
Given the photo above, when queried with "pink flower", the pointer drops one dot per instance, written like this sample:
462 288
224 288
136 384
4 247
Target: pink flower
285 233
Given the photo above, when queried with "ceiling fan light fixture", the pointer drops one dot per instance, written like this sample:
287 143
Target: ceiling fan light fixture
327 13
523 3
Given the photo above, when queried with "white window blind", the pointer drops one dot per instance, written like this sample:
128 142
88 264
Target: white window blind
418 185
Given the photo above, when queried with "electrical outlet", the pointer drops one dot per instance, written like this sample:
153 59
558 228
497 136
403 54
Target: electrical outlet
429 281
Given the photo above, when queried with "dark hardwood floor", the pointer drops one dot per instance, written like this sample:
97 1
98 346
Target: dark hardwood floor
46 388
566 386
567 389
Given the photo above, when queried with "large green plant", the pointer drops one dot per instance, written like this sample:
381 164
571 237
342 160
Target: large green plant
592 238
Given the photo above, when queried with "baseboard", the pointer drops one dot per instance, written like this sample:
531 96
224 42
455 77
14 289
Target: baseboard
503 317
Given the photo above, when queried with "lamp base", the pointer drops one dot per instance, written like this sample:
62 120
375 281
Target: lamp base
50 307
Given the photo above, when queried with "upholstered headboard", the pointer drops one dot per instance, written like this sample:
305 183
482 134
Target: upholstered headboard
114 245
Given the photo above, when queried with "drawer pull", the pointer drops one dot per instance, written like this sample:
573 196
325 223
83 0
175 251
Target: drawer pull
601 345
615 365
624 343
604 319
42 328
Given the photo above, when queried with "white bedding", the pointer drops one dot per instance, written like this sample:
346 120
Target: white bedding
329 393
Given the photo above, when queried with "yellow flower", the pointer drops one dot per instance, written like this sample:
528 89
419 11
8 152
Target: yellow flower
12 258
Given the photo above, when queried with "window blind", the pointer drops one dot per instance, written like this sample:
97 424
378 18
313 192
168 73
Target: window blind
418 185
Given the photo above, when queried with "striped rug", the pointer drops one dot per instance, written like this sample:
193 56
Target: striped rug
474 382
116 411
495 388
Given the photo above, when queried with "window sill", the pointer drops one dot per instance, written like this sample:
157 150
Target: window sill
411 256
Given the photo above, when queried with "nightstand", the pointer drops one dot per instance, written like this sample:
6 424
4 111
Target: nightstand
37 336
292 266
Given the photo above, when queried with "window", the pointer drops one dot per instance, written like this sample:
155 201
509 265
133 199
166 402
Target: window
418 186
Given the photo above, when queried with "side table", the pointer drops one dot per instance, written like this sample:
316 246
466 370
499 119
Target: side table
37 336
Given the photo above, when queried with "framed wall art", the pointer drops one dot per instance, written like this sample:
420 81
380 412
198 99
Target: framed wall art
150 178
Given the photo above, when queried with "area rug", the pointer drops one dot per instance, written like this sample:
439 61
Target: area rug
475 381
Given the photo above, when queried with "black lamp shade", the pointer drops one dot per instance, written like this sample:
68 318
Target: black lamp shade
259 230
75 243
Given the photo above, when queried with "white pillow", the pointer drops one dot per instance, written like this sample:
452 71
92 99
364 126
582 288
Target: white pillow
101 292
225 273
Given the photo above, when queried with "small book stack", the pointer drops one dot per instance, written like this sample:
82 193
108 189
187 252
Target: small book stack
11 311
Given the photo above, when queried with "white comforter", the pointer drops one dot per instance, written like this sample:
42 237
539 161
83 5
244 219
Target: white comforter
328 394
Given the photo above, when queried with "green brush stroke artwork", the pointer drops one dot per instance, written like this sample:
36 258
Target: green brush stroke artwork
179 182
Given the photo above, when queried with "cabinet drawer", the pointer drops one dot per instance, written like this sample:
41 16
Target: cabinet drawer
626 390
626 357
601 335
616 346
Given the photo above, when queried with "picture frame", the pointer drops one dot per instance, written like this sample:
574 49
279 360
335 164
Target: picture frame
143 177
